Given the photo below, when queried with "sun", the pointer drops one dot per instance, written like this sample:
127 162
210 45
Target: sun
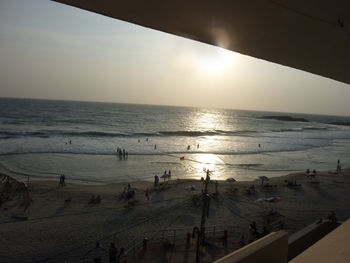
215 61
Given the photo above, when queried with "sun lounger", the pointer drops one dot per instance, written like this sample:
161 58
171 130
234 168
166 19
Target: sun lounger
292 183
22 218
269 185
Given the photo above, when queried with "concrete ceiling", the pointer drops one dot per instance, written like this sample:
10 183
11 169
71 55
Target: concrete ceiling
311 35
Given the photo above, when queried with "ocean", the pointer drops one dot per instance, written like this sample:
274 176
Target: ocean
44 138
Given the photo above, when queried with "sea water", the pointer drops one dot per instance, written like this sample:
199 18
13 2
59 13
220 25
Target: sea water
43 139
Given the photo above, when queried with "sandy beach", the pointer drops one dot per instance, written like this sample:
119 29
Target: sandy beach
60 224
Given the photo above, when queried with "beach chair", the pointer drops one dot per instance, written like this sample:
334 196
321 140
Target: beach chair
251 190
290 183
68 201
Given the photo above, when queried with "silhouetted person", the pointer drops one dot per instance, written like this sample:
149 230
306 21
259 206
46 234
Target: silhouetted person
63 180
338 167
97 252
121 256
156 180
147 194
113 251
331 217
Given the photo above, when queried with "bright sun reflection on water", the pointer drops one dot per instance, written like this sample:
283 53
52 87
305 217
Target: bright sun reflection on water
207 161
208 122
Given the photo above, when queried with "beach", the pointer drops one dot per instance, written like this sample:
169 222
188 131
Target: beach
62 224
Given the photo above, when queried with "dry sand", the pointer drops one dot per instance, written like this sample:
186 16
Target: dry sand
52 230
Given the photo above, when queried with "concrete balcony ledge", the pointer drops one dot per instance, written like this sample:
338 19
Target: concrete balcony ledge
334 247
303 239
272 248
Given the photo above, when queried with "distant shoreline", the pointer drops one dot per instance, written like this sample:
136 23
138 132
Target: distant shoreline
284 118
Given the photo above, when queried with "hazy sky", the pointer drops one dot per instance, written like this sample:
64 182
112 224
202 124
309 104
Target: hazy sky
53 51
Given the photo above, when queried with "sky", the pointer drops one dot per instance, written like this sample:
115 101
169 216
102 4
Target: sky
54 51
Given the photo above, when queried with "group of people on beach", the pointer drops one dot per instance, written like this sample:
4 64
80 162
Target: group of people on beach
166 175
310 174
114 256
122 153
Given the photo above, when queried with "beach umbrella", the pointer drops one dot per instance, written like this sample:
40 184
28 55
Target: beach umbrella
231 180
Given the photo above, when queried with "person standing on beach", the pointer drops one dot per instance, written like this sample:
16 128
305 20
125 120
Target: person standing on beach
156 180
61 181
147 194
113 253
97 253
121 257
338 167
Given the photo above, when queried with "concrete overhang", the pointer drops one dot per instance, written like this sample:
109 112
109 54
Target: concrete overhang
311 35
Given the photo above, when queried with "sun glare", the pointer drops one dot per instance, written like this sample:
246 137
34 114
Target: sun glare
215 61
